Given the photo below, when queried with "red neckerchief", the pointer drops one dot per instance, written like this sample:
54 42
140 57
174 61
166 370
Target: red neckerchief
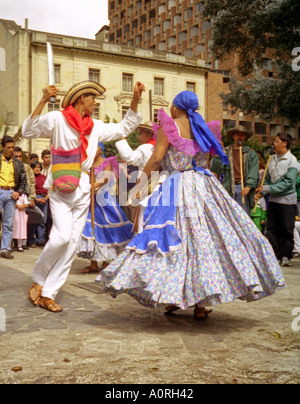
84 125
152 141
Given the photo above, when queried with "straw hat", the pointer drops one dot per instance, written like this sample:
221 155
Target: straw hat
238 129
84 87
146 126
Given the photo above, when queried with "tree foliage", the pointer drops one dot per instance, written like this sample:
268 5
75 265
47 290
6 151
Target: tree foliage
250 27
110 148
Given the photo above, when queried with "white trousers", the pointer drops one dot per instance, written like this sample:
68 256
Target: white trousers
297 238
69 214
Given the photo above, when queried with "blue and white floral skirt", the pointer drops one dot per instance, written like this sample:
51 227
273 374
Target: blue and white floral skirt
210 252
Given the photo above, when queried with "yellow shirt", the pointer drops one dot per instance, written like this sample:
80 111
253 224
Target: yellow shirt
7 173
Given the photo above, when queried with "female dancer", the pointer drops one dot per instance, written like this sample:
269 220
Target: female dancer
112 228
198 247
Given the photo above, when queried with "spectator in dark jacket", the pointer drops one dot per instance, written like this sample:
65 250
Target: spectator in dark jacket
12 185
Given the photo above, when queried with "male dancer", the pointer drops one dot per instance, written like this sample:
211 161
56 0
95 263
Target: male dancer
71 132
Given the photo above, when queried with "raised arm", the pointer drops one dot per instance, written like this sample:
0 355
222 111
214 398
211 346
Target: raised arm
40 126
139 88
48 92
132 119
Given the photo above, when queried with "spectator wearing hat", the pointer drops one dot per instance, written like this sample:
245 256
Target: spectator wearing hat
232 180
280 183
74 138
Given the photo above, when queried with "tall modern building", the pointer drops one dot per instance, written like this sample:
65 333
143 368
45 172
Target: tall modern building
177 26
165 25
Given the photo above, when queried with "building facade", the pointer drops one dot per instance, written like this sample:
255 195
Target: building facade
116 67
178 26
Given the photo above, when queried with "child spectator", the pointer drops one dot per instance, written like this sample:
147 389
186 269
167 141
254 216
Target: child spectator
20 222
37 233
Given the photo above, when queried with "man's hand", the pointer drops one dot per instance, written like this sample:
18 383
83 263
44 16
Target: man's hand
42 201
48 92
245 191
15 195
139 88
259 189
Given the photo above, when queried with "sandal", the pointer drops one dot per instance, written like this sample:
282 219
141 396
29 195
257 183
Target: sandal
200 313
89 269
49 304
20 249
170 309
34 294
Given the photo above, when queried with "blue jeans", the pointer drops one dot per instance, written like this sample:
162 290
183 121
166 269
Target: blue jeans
238 198
37 233
8 208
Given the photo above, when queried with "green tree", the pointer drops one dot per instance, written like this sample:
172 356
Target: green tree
249 27
110 148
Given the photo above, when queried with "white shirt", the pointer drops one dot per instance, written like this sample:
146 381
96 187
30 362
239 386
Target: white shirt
138 157
54 126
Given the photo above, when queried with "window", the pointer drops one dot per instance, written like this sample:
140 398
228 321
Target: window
260 128
247 125
127 82
227 123
191 86
158 86
94 75
124 110
96 114
57 73
155 113
54 106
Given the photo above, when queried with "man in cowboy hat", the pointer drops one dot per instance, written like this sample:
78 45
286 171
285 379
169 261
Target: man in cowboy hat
232 180
74 138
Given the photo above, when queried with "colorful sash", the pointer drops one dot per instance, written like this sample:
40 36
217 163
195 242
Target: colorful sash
66 169
84 125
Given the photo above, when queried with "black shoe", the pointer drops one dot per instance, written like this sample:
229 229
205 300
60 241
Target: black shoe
7 255
25 247
42 244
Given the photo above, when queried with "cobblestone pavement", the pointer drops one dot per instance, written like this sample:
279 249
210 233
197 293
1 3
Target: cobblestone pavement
97 339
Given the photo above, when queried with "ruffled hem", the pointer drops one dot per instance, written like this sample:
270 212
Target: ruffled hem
147 299
91 250
167 281
165 239
187 146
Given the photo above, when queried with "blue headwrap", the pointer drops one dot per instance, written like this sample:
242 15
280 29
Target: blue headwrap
188 101
101 145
